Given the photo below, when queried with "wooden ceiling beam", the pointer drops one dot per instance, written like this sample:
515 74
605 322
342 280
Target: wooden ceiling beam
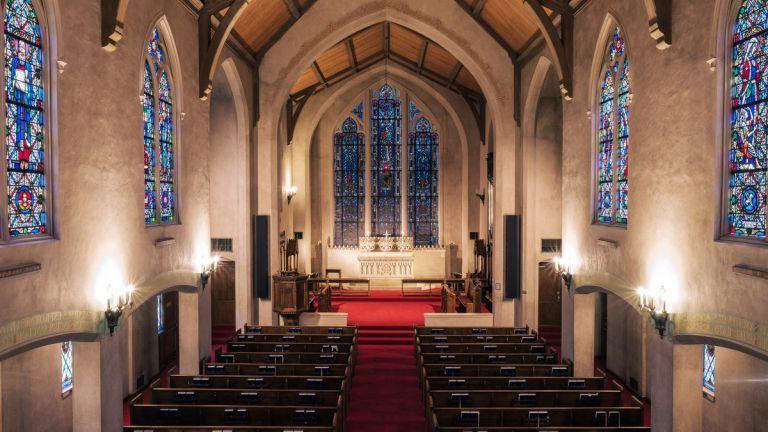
351 56
293 8
112 22
211 45
560 44
478 8
385 40
432 75
282 31
558 6
488 29
319 73
422 55
660 22
454 74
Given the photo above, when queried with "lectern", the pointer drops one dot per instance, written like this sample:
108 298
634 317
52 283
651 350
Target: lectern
289 296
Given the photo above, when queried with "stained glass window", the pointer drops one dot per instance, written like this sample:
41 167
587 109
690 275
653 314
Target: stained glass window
422 180
159 157
385 163
160 314
349 182
708 373
66 366
614 99
25 139
748 149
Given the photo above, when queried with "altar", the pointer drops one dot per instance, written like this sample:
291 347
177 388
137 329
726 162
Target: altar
388 257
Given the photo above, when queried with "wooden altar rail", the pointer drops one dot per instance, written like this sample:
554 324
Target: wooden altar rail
336 285
429 282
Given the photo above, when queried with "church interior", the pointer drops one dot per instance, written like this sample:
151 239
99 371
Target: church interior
384 215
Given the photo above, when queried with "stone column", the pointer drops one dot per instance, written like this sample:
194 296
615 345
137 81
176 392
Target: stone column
189 333
675 385
584 334
97 403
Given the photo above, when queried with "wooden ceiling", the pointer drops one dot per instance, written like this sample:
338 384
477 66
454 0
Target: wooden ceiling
391 43
510 22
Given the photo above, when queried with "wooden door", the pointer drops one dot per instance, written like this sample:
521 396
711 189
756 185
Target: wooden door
223 294
168 339
549 295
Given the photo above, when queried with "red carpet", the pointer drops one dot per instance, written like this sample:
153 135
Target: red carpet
385 390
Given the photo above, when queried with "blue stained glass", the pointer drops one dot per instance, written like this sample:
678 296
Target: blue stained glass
708 372
24 120
612 192
159 158
748 147
423 192
358 111
385 163
160 314
66 367
349 183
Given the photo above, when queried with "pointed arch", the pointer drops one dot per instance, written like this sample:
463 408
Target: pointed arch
159 96
423 178
349 180
612 100
386 117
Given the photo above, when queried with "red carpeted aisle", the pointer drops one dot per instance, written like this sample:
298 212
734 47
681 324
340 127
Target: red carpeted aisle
385 390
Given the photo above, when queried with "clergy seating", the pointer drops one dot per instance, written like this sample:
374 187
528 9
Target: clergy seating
505 379
284 378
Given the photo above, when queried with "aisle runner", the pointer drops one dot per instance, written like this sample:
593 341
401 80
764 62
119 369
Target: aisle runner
385 390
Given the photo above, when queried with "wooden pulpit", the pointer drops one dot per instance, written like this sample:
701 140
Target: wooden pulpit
290 296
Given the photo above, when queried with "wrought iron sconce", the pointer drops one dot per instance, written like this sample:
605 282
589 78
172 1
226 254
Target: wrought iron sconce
481 195
290 192
563 266
116 304
207 268
650 302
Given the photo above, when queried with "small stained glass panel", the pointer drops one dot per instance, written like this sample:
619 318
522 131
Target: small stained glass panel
66 367
708 372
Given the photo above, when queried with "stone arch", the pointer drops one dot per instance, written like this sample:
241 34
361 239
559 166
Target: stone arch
320 104
440 21
25 334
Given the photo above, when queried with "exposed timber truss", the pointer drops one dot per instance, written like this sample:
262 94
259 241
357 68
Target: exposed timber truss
112 22
660 22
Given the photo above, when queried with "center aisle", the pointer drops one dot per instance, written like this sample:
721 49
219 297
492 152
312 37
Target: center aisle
385 390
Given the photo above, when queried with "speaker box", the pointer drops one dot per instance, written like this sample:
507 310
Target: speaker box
512 256
261 277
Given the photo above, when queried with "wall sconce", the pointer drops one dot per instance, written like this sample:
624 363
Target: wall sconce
290 192
564 267
207 268
650 302
480 194
117 302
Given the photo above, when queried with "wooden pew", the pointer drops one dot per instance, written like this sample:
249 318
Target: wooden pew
299 330
487 348
473 358
537 416
194 396
491 331
510 371
244 415
519 382
283 357
463 339
289 346
281 369
307 382
279 338
233 428
523 398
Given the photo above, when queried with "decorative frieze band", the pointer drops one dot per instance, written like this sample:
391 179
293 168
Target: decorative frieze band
19 269
740 330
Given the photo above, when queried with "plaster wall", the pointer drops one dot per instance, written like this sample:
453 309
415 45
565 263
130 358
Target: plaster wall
675 176
625 340
31 392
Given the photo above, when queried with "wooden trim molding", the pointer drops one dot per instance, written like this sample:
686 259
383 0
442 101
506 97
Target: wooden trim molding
660 22
112 22
19 269
751 271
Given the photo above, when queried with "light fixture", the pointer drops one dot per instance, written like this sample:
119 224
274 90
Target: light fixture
290 192
117 302
650 301
564 268
207 268
480 194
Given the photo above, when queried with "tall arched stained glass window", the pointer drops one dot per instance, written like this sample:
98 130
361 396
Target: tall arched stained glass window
748 149
159 157
422 181
25 133
612 191
385 163
349 183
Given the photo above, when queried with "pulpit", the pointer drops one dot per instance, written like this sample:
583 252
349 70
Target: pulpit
290 296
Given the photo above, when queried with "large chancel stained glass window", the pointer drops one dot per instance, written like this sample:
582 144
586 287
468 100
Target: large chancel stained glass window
385 162
708 372
25 140
349 181
422 180
612 194
66 367
159 160
748 148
